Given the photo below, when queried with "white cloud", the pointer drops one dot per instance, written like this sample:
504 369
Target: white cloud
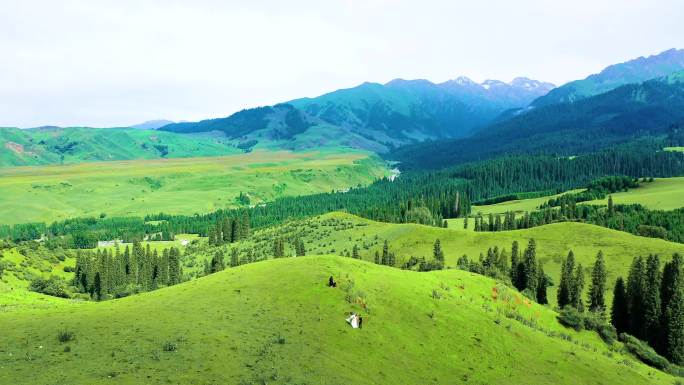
108 63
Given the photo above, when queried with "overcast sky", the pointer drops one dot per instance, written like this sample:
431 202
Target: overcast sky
114 63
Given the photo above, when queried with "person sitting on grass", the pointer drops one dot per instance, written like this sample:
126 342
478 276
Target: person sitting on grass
331 282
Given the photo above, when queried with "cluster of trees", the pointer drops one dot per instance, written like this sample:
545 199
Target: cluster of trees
650 305
522 270
387 257
571 285
229 229
110 273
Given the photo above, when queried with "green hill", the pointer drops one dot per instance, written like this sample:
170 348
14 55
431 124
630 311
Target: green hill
276 322
337 233
54 145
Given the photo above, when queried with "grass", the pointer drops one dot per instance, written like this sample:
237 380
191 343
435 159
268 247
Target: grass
176 186
676 149
276 322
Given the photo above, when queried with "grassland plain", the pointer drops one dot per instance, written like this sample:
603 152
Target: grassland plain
176 186
337 233
276 322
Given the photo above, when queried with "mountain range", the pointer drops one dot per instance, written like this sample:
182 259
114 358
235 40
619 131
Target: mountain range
377 116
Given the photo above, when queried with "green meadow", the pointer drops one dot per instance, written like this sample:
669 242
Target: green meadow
443 327
662 194
337 233
176 186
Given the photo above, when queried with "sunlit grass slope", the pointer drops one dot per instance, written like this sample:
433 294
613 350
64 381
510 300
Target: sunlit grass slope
337 233
176 186
276 322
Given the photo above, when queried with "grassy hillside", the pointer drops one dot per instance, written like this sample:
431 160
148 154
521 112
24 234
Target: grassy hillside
337 233
276 322
662 194
40 146
183 186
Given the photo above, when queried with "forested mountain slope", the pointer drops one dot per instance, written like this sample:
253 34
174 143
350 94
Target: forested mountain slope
632 71
651 108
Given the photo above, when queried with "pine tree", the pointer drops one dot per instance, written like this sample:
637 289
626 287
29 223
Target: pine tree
391 260
465 221
564 294
674 316
651 302
577 289
597 301
514 265
385 253
377 257
438 254
543 283
530 267
175 272
620 310
635 295
611 209
355 252
671 282
234 259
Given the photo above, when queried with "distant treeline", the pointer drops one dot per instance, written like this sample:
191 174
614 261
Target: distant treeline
597 189
425 197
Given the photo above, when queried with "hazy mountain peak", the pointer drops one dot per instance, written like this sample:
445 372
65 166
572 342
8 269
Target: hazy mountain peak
152 124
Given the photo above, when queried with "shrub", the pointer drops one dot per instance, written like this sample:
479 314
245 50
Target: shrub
66 335
69 269
170 346
570 317
644 352
594 321
54 286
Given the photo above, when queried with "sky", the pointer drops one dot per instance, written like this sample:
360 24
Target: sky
105 63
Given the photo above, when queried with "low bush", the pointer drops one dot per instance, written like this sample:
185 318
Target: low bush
54 286
66 335
570 317
643 352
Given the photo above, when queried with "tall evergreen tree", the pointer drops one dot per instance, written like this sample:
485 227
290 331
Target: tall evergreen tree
673 320
635 295
651 303
578 289
671 282
620 310
564 294
355 252
543 283
530 266
597 301
385 253
234 257
438 254
515 261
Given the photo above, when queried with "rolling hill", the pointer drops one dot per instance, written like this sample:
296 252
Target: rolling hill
55 145
439 327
